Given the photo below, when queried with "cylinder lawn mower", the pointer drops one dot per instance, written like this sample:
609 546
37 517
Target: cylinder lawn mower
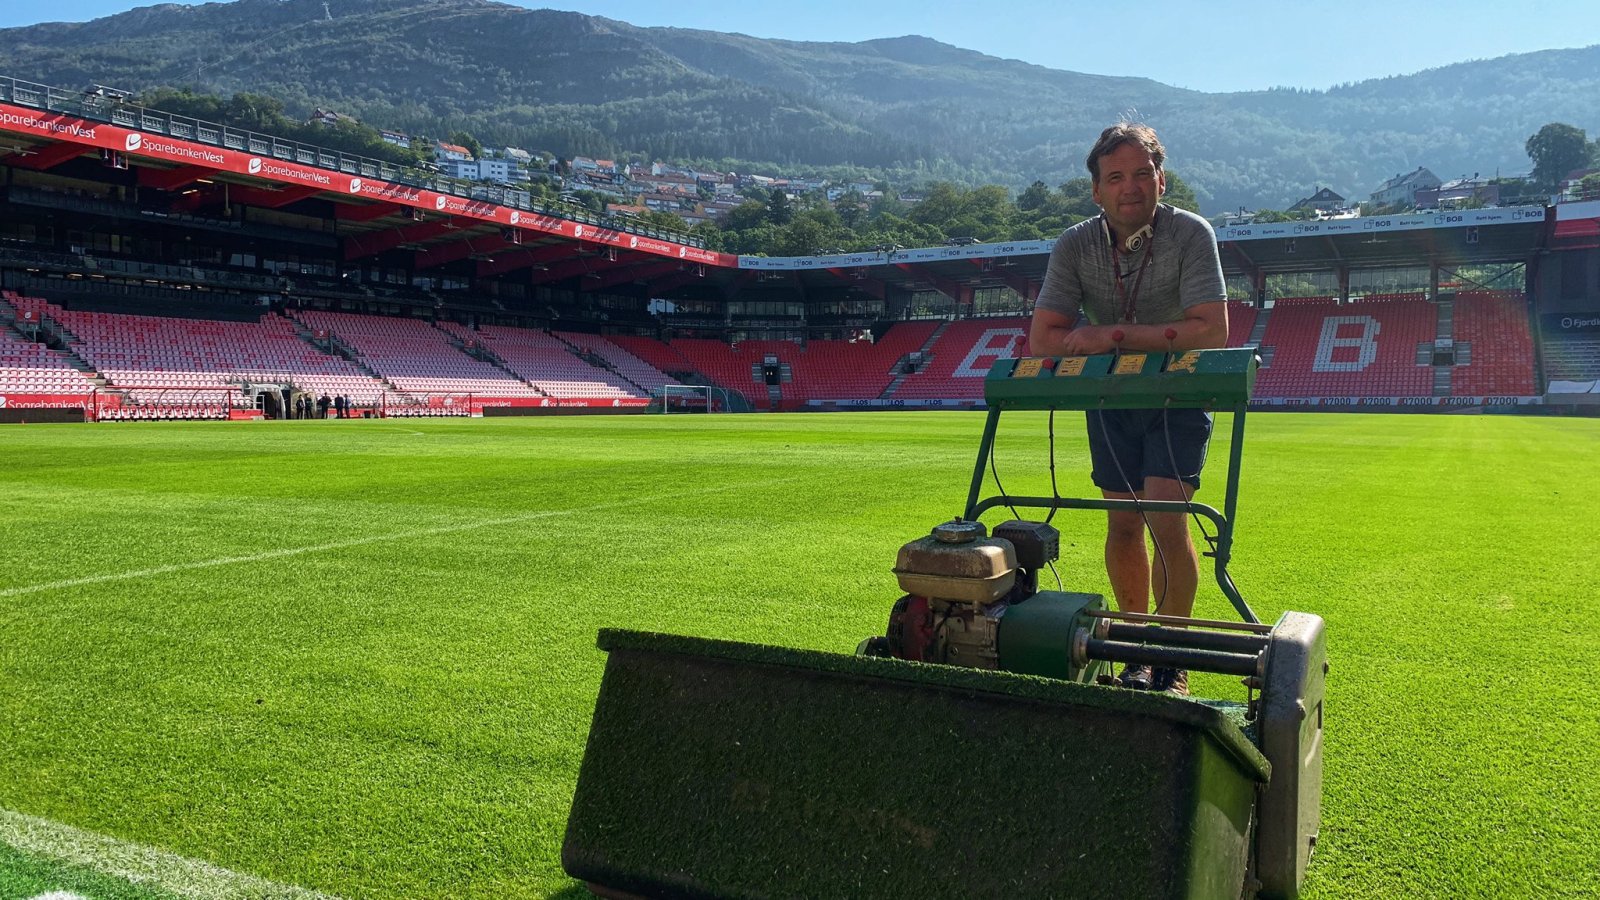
978 748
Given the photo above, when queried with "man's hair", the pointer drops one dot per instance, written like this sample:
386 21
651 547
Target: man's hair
1125 133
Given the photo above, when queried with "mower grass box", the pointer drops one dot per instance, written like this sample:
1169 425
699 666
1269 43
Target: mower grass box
717 769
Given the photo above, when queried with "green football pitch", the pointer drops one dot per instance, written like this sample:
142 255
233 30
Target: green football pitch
358 657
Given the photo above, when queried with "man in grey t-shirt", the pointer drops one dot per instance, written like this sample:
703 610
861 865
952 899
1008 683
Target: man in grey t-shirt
1151 272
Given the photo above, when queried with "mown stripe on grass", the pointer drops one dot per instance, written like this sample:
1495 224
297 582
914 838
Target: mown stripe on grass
139 864
435 531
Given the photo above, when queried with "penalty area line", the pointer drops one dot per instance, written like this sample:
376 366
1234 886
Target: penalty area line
139 864
371 539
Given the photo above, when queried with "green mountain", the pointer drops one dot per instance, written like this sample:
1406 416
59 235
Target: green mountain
910 107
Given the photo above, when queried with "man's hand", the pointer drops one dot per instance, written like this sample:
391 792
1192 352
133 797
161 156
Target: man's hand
1089 340
1204 326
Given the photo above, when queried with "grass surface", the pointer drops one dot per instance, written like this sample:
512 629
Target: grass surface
359 656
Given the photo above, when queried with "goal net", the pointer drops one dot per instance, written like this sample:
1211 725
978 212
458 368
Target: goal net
157 403
693 398
423 404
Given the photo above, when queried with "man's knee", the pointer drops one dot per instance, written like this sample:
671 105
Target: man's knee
1124 527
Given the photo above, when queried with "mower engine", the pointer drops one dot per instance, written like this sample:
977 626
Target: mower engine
973 600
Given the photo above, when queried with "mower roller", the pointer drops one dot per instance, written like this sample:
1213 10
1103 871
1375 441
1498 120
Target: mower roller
979 747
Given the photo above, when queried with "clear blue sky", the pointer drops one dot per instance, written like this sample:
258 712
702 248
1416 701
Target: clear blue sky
1224 45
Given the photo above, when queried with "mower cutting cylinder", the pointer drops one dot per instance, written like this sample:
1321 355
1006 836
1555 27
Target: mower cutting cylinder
716 769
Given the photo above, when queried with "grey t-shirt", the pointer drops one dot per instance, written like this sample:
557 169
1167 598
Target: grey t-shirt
1186 270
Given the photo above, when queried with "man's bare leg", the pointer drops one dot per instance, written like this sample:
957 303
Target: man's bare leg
1127 557
1128 567
1175 569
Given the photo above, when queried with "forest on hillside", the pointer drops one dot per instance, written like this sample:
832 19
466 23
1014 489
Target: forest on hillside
907 110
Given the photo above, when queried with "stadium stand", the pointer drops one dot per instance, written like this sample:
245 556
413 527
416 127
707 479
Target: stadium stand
633 370
1573 357
1493 326
414 356
728 367
791 391
656 354
29 367
136 352
1241 321
961 357
546 362
845 370
1366 348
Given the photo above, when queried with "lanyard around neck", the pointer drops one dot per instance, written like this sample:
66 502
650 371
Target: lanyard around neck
1128 298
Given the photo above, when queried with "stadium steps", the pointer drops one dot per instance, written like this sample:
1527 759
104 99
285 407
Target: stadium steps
483 353
1447 320
661 356
927 345
590 357
9 330
1441 381
924 356
1259 331
628 366
71 358
342 350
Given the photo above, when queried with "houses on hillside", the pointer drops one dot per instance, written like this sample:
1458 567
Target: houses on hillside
1401 190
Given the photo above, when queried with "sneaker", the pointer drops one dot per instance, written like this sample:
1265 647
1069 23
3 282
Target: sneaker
1172 681
1135 677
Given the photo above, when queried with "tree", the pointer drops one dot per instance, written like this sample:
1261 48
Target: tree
745 216
852 209
1035 197
801 237
594 201
780 211
1179 194
1078 198
940 204
465 139
1557 149
658 218
257 113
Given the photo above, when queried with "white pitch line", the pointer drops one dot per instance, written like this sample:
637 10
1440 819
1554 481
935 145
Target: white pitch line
145 866
361 541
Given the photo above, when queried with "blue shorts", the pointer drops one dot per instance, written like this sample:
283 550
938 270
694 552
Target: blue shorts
1130 445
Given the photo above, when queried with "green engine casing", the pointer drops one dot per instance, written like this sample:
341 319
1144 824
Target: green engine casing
1036 635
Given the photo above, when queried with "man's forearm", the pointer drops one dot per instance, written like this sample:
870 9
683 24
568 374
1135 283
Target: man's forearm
1189 334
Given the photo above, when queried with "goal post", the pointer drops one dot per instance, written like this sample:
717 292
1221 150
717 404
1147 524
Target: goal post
687 398
163 403
422 404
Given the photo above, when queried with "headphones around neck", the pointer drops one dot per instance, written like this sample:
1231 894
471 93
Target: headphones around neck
1133 242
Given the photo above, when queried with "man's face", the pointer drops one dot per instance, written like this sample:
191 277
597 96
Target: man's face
1129 187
